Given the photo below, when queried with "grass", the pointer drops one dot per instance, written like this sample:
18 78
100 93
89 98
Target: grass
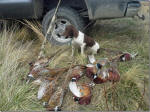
19 46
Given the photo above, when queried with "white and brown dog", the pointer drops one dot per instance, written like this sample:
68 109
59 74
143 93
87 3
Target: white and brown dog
81 40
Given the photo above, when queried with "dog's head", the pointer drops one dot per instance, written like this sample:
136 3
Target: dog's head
70 32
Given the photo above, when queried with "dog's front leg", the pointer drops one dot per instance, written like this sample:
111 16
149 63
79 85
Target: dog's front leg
73 50
82 49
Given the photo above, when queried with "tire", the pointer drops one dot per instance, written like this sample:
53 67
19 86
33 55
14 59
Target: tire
67 14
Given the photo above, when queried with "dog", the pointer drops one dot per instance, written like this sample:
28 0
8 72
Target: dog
81 40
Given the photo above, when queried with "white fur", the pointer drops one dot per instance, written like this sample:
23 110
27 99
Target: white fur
79 41
95 48
74 89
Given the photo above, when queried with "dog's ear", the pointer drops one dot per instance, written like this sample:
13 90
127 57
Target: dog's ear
69 32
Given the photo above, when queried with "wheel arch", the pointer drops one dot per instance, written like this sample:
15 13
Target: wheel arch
78 5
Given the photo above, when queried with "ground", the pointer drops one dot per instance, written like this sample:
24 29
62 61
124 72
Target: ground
19 46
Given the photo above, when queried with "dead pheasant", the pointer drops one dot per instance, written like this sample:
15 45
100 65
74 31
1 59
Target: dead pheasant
45 91
44 61
78 71
81 92
48 72
111 75
55 100
127 56
91 70
100 75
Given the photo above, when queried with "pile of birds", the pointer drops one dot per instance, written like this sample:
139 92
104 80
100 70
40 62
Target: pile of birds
51 93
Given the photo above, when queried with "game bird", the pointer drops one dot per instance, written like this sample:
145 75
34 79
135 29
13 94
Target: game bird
55 100
111 75
42 61
99 75
92 69
81 92
78 71
46 90
48 72
127 56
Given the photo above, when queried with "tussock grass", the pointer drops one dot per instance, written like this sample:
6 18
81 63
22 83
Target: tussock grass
15 94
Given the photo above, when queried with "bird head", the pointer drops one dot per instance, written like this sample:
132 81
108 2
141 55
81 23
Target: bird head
40 63
74 79
98 66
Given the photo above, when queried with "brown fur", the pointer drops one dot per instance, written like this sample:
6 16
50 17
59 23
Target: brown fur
71 32
89 41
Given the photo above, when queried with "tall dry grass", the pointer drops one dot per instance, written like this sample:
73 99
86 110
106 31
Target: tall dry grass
15 94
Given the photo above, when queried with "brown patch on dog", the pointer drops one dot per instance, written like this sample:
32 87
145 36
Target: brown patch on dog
70 31
89 41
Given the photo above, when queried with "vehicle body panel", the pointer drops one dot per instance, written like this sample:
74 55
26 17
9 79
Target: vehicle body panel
95 9
20 9
107 8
